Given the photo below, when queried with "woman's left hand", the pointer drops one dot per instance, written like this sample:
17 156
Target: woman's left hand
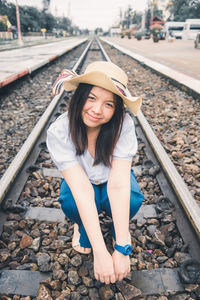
121 265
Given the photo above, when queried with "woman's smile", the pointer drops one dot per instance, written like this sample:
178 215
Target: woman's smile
93 117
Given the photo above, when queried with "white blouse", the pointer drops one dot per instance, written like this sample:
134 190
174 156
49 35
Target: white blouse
63 152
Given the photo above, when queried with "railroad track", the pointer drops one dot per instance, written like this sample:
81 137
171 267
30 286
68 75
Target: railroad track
35 248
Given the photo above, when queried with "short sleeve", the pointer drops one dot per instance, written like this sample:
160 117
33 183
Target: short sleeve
59 144
127 144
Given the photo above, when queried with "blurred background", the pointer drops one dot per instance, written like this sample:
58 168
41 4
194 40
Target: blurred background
28 19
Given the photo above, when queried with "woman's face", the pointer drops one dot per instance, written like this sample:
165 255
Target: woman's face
98 108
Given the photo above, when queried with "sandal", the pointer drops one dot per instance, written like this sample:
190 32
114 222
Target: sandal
76 243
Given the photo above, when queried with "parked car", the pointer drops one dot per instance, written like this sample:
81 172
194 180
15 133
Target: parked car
191 28
174 29
197 41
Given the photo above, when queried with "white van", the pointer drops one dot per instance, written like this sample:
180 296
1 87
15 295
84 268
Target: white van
174 29
191 28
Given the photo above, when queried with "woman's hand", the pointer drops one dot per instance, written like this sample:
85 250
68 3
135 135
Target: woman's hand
121 265
103 267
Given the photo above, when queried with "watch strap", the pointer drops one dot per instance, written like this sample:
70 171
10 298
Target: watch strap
126 250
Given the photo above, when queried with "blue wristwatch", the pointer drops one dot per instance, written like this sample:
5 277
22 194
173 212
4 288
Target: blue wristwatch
126 250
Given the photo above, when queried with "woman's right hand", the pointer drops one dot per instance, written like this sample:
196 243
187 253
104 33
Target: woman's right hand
103 267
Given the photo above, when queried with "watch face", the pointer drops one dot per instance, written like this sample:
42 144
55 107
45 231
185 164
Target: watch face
128 249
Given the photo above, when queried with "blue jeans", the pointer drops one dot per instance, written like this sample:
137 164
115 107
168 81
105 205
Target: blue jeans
69 207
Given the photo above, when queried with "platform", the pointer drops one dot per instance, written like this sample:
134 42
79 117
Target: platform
17 63
178 61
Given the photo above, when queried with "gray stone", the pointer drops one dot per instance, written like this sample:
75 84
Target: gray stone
137 170
164 280
119 296
20 282
82 289
42 258
128 291
158 238
162 259
57 274
45 214
182 296
46 267
180 257
35 244
93 294
75 296
105 293
44 293
76 261
73 277
10 226
146 212
47 172
88 281
151 229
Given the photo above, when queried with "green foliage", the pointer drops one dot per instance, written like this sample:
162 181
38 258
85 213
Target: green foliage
32 19
184 9
157 12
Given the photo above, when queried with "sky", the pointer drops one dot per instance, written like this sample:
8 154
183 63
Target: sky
89 13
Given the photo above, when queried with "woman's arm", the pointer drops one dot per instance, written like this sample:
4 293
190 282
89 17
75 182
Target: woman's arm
83 194
118 189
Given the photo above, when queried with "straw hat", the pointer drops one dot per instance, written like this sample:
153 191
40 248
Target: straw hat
108 76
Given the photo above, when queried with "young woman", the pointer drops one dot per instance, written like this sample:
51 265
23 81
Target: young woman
92 144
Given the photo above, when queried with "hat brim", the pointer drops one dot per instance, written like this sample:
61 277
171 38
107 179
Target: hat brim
100 79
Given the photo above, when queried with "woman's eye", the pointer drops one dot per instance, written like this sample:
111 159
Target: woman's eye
91 98
109 105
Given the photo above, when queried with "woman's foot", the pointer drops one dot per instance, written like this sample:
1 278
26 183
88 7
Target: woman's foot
76 244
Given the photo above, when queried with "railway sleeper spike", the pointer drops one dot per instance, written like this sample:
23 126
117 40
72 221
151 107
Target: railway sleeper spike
63 104
32 168
164 205
56 115
140 140
189 272
43 145
153 171
8 206
148 163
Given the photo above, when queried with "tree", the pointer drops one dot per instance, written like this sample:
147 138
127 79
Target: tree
157 12
137 18
184 9
34 20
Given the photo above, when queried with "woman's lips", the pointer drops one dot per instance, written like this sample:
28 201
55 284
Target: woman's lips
93 118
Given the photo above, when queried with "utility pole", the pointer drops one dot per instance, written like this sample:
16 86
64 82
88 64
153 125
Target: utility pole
20 42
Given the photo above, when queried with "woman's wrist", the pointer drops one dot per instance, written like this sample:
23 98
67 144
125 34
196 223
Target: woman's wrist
99 251
123 240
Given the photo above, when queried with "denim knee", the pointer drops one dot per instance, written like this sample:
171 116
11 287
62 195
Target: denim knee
136 196
68 203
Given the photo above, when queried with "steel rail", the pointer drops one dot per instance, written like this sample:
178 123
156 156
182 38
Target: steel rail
15 166
180 188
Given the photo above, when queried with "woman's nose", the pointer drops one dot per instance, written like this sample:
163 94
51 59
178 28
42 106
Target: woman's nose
97 108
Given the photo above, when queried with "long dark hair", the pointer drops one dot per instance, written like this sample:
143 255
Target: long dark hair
109 133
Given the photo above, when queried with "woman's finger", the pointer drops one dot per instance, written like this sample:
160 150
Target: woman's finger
102 278
121 276
112 278
107 279
97 276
